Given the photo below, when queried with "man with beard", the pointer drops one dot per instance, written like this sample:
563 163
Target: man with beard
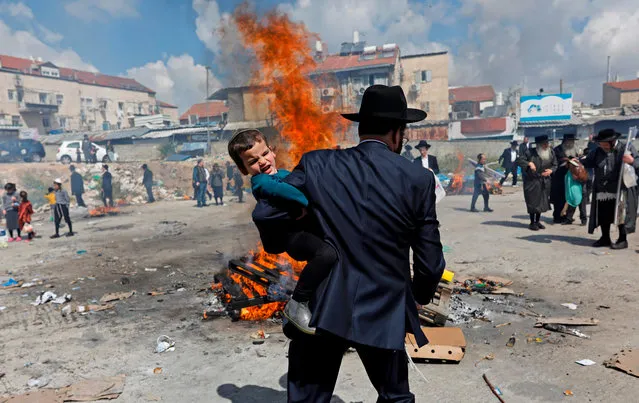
607 161
537 165
564 152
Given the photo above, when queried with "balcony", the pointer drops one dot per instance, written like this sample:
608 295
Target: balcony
37 106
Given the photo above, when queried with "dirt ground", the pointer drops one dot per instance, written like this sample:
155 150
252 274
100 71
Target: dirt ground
215 360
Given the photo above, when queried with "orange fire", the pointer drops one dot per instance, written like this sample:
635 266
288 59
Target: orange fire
456 185
284 59
102 211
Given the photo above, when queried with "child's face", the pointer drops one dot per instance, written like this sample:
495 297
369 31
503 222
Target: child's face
259 159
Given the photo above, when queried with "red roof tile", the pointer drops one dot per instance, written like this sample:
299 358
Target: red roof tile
337 62
630 85
83 77
488 125
162 104
206 109
473 94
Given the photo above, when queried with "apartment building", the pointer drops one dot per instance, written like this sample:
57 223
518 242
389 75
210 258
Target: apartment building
424 79
41 95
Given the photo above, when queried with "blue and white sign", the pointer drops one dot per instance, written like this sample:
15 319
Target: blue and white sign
537 108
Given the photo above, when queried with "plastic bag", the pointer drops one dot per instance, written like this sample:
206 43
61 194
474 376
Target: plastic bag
574 189
27 228
440 193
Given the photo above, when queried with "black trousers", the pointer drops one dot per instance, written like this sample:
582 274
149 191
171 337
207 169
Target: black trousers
314 362
80 200
60 211
512 171
320 257
107 194
484 192
149 193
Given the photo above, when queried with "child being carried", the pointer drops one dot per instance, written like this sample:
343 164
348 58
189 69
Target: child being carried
280 206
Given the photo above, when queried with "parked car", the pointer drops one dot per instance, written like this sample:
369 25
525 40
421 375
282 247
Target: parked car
67 153
21 150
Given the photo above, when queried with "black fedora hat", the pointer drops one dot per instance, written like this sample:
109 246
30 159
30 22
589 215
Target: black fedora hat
514 143
569 136
383 102
422 144
541 139
606 135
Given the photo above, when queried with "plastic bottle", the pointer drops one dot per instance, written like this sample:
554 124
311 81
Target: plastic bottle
4 239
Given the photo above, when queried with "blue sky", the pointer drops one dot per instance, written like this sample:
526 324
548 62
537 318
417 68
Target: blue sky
165 44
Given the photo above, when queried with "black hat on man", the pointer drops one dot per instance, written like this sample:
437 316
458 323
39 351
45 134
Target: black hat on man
569 136
606 135
514 143
383 102
541 139
422 144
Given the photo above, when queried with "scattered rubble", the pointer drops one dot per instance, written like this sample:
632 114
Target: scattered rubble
626 361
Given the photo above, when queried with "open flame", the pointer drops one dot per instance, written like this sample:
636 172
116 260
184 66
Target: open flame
102 211
456 185
284 59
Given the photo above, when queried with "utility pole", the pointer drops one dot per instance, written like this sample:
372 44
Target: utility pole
561 86
608 71
208 132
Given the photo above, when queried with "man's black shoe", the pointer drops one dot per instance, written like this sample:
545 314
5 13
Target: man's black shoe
54 236
619 245
541 226
601 243
533 227
567 221
68 234
488 210
474 210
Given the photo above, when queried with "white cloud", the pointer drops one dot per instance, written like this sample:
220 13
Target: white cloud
179 81
26 44
48 35
16 10
89 10
207 23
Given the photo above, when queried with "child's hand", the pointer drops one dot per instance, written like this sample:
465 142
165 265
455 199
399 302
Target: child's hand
303 213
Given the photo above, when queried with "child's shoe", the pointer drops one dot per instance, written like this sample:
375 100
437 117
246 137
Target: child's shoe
10 240
299 314
18 239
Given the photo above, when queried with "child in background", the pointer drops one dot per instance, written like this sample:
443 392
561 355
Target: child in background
61 208
10 206
482 182
50 197
277 217
25 211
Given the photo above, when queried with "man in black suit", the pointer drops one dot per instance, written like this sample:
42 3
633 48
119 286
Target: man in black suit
524 147
372 205
425 160
508 161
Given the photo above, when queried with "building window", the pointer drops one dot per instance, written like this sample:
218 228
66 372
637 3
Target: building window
43 98
59 98
426 106
120 106
103 104
46 122
63 122
139 109
15 120
12 95
193 119
423 76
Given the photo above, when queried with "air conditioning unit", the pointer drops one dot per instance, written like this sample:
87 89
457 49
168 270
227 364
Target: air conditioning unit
414 88
461 115
328 92
327 108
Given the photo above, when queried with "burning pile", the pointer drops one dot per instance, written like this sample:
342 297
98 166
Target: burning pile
457 184
103 211
257 286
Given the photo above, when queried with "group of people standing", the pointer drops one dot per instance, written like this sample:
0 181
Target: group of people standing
205 182
564 176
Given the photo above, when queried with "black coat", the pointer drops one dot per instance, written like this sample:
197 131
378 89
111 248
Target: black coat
558 184
536 187
107 181
523 149
606 180
147 180
77 184
373 205
505 161
432 163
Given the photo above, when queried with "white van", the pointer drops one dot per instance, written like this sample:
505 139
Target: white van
67 153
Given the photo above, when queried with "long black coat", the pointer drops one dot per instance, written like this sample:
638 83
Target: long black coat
558 184
607 181
77 184
523 149
373 205
432 163
147 179
536 187
107 184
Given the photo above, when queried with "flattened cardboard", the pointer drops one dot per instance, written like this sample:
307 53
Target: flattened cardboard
626 361
445 344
